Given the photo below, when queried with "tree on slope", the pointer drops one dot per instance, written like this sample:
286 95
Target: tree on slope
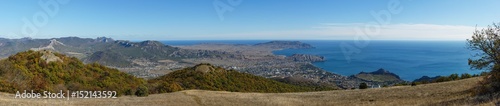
486 44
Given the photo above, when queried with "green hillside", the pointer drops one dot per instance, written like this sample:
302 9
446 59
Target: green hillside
208 77
46 71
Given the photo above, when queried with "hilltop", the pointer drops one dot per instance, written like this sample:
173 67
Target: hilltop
209 77
381 75
49 71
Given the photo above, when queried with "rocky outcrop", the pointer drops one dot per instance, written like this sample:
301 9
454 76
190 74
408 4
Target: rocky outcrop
285 45
125 43
380 75
48 56
306 58
104 39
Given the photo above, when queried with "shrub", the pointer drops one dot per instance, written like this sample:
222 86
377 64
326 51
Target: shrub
414 84
128 92
465 76
363 86
453 77
142 91
442 79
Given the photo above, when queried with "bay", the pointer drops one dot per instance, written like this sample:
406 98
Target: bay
408 59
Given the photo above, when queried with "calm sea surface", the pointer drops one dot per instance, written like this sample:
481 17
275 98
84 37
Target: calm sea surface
408 59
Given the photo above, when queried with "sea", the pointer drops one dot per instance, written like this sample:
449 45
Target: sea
408 59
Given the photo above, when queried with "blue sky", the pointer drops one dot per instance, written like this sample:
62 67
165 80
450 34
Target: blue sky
248 20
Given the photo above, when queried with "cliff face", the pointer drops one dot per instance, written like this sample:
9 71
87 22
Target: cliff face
306 58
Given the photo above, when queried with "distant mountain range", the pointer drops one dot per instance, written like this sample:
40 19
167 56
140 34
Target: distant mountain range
121 53
106 51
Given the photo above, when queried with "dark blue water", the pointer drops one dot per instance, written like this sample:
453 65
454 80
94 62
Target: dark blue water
408 59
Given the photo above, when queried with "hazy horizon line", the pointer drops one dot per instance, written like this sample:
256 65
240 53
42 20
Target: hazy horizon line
241 39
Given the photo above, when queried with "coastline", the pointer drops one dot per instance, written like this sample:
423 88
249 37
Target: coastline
410 60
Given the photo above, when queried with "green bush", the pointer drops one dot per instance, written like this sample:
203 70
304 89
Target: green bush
363 86
129 92
414 83
142 91
465 76
442 79
453 77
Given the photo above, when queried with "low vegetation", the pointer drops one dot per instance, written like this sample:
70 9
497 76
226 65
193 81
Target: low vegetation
208 77
363 86
46 71
31 70
301 81
437 79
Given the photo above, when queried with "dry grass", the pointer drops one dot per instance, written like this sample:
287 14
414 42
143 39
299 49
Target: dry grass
448 93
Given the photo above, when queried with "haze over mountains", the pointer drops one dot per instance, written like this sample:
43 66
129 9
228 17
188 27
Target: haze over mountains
151 59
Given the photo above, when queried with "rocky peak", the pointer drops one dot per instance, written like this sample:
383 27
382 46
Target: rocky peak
104 39
125 43
204 68
48 56
381 71
381 75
